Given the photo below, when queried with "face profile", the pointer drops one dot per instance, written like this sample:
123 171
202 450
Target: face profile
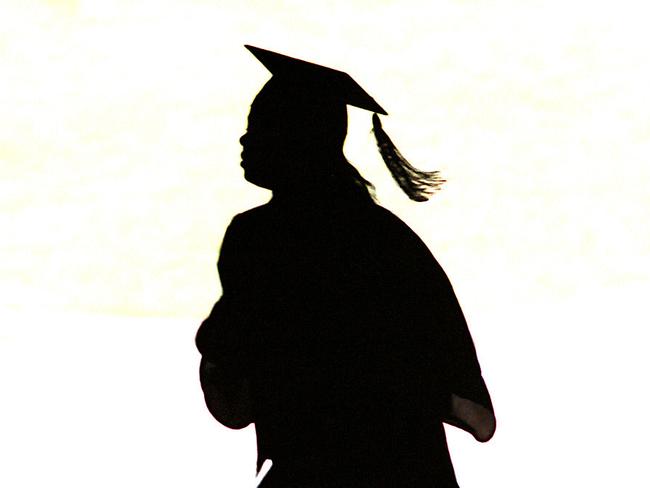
291 137
259 157
266 146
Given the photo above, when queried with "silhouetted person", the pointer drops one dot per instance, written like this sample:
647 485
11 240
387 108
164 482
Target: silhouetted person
337 334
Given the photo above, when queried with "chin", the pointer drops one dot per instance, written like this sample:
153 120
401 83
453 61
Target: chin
257 180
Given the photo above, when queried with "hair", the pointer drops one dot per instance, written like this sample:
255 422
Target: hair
417 184
348 177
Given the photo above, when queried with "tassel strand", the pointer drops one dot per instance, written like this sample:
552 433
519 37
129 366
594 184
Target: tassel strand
418 185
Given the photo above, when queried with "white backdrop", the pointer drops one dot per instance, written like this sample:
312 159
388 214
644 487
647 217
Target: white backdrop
119 157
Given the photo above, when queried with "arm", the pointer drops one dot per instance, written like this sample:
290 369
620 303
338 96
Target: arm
464 400
467 403
469 406
222 340
228 402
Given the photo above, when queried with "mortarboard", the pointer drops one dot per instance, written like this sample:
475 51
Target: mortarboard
339 84
418 185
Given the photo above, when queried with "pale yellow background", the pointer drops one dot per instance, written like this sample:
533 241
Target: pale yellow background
119 127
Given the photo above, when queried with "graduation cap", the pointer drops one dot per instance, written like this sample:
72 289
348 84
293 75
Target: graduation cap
418 185
339 84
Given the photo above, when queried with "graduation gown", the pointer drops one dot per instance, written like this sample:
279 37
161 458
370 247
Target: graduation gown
351 340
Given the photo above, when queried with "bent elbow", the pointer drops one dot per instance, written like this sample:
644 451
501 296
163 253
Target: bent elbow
228 402
485 431
225 416
473 417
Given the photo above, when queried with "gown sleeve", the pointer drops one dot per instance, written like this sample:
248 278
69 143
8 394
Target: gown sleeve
221 333
462 369
469 405
222 337
465 401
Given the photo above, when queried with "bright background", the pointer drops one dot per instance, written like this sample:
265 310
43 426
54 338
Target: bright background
119 127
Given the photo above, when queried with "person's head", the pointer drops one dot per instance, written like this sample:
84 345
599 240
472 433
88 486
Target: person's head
294 139
297 126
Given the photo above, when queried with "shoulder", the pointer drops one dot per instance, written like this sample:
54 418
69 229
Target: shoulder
252 216
389 226
413 254
240 232
247 224
382 214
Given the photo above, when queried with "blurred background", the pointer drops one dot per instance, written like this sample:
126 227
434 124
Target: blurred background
119 158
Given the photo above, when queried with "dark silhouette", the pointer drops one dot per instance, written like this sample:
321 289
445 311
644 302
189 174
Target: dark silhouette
337 334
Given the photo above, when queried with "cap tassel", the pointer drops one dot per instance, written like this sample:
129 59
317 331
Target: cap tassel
418 185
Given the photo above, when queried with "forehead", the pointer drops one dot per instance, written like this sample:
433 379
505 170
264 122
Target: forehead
282 108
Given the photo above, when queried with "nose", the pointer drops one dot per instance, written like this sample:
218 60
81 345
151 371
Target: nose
243 138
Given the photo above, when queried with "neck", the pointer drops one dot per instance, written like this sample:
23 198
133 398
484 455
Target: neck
320 197
301 196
